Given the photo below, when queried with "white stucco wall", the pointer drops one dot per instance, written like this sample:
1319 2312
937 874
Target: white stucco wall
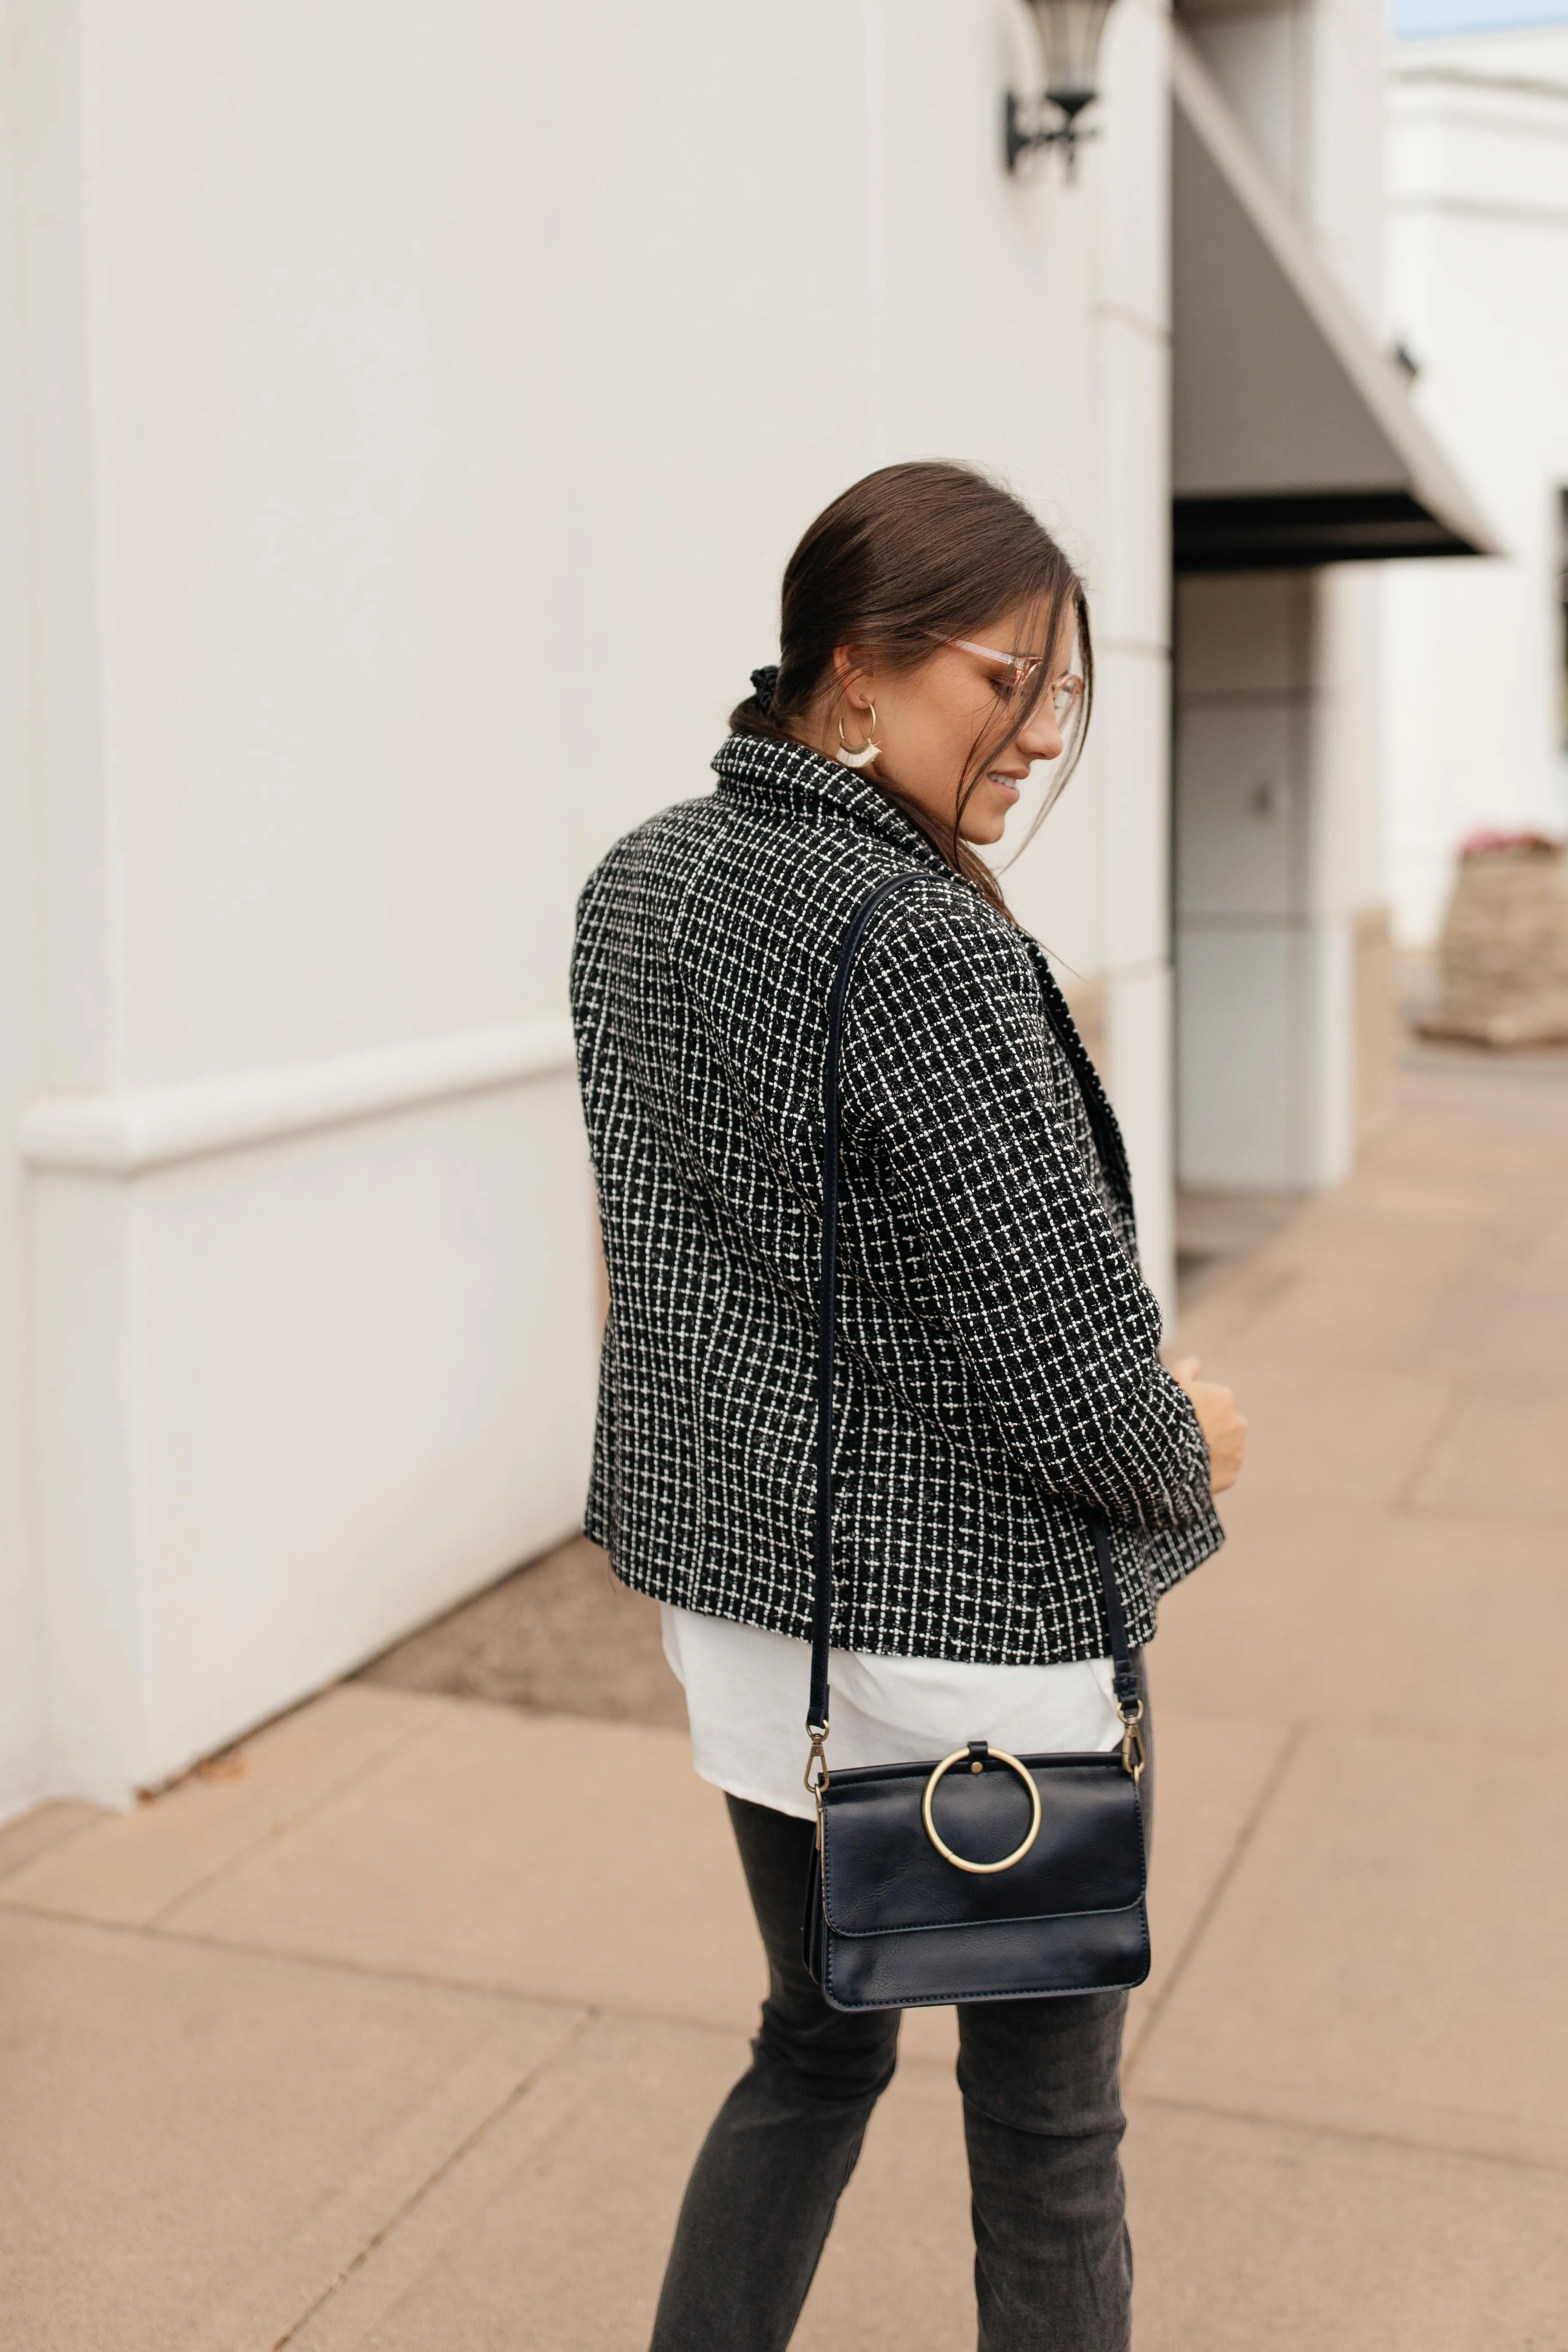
1276 842
1478 291
1276 804
22 1719
417 408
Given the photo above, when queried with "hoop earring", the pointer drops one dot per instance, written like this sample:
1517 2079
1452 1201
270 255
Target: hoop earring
867 751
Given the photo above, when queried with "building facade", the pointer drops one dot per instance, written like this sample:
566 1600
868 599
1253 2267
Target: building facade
1476 656
404 415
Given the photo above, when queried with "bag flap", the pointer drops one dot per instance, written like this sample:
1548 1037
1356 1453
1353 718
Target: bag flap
880 1873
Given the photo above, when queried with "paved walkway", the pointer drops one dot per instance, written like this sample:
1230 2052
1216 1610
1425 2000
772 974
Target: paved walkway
402 2036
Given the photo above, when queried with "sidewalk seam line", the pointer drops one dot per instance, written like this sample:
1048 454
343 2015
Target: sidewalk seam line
488 1990
1186 2104
1404 1493
572 2034
51 1845
415 1732
348 1968
1295 1732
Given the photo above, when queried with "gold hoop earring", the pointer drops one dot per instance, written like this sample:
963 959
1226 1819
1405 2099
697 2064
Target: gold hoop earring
868 750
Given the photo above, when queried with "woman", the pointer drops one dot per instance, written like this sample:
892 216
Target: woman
998 1367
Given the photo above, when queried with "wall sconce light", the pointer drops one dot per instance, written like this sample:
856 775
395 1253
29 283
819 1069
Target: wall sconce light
1069 32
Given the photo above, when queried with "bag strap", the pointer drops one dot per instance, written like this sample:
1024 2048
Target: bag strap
1124 1668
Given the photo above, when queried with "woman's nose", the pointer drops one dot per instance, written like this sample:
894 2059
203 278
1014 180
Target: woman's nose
1040 738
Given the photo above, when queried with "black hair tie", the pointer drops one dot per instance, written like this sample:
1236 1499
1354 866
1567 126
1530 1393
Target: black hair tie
764 683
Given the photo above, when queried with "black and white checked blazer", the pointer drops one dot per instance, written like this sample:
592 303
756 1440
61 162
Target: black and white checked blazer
997 1365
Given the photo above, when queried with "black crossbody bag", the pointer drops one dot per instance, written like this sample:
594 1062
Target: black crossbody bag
977 1875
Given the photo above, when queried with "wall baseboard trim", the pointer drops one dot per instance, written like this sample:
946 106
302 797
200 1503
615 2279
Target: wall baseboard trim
125 1134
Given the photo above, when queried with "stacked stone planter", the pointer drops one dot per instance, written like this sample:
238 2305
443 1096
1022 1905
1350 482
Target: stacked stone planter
1503 957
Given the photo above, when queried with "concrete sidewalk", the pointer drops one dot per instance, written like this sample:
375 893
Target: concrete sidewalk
402 2034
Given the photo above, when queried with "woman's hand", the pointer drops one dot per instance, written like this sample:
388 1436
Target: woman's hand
1224 1428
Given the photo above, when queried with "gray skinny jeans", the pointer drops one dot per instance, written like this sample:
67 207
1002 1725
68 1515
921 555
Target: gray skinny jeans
1043 2123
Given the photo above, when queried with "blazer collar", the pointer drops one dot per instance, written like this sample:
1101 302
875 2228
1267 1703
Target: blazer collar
793 779
792 776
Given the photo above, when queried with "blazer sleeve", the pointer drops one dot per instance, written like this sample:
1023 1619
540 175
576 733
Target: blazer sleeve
947 1082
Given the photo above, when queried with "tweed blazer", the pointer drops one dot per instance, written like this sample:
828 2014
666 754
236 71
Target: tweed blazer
997 1365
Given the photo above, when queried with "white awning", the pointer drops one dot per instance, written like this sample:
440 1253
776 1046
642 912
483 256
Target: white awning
1295 439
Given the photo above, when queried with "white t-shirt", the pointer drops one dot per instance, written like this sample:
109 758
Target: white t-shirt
746 1692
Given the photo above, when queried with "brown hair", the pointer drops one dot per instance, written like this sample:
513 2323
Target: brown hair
910 556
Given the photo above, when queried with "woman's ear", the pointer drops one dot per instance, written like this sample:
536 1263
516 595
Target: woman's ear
851 676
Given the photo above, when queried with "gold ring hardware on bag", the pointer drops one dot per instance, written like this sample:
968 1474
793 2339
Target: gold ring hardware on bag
1133 1740
966 1756
817 1761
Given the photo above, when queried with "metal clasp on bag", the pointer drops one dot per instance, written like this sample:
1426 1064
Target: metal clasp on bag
1133 1740
816 1760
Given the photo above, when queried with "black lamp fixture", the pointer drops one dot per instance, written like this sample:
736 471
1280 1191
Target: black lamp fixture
1069 33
